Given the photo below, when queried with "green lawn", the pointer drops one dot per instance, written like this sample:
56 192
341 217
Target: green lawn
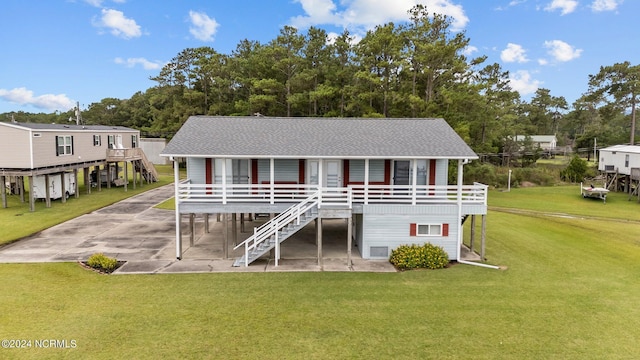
570 291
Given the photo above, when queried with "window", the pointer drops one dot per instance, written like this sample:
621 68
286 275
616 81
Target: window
97 140
626 160
429 230
64 145
134 141
111 140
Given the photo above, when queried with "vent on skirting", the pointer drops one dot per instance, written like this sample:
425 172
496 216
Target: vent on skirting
36 135
379 251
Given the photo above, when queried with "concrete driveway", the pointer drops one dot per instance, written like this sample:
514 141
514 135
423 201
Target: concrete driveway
134 231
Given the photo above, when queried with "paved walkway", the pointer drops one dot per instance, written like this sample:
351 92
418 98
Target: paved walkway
134 231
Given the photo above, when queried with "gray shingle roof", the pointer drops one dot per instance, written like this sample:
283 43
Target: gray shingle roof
260 137
67 127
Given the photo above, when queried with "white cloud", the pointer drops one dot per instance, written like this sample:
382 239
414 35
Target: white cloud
366 14
49 102
146 64
566 6
605 5
469 50
203 27
120 25
514 53
561 51
98 3
522 82
543 62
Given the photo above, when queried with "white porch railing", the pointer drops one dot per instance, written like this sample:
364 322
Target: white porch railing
343 196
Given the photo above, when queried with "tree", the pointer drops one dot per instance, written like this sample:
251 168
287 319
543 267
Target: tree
617 85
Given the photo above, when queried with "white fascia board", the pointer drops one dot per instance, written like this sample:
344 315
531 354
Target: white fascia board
321 157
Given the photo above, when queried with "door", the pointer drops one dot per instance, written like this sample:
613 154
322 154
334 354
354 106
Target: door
401 172
332 173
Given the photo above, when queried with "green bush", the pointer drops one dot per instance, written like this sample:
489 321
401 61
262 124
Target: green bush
575 171
102 262
427 256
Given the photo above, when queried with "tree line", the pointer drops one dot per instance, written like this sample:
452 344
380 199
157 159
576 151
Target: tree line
414 69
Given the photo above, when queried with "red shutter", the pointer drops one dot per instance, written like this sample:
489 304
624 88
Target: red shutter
445 229
412 230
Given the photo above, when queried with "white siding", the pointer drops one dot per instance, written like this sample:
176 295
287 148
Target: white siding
196 170
285 170
389 226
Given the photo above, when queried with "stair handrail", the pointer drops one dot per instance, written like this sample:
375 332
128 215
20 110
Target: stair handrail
271 227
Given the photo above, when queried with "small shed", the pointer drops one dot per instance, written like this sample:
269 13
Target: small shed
152 147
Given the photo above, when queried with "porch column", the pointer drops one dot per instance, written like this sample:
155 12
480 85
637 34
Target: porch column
63 188
126 175
224 182
176 198
109 176
319 241
47 191
473 232
98 177
206 223
349 244
4 191
192 228
85 175
77 186
225 237
272 177
20 185
414 181
234 229
459 201
32 205
320 180
366 181
483 236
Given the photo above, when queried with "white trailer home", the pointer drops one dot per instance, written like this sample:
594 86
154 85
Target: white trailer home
621 165
59 185
387 178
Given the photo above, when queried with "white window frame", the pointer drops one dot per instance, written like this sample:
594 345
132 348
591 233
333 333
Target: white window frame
65 145
432 229
97 140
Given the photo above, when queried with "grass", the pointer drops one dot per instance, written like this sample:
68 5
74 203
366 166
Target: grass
570 292
18 221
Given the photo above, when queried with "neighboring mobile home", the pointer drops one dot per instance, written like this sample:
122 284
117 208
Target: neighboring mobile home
621 166
388 178
32 150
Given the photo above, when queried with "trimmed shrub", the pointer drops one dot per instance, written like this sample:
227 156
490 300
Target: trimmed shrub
427 256
100 261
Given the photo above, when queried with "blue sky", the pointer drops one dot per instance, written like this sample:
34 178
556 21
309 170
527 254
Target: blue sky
59 52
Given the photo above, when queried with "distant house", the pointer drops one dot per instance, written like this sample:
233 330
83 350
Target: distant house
388 178
31 149
544 142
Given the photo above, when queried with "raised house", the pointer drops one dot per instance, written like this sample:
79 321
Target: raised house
51 150
388 178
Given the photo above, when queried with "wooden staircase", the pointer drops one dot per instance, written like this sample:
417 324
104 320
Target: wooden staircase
149 172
